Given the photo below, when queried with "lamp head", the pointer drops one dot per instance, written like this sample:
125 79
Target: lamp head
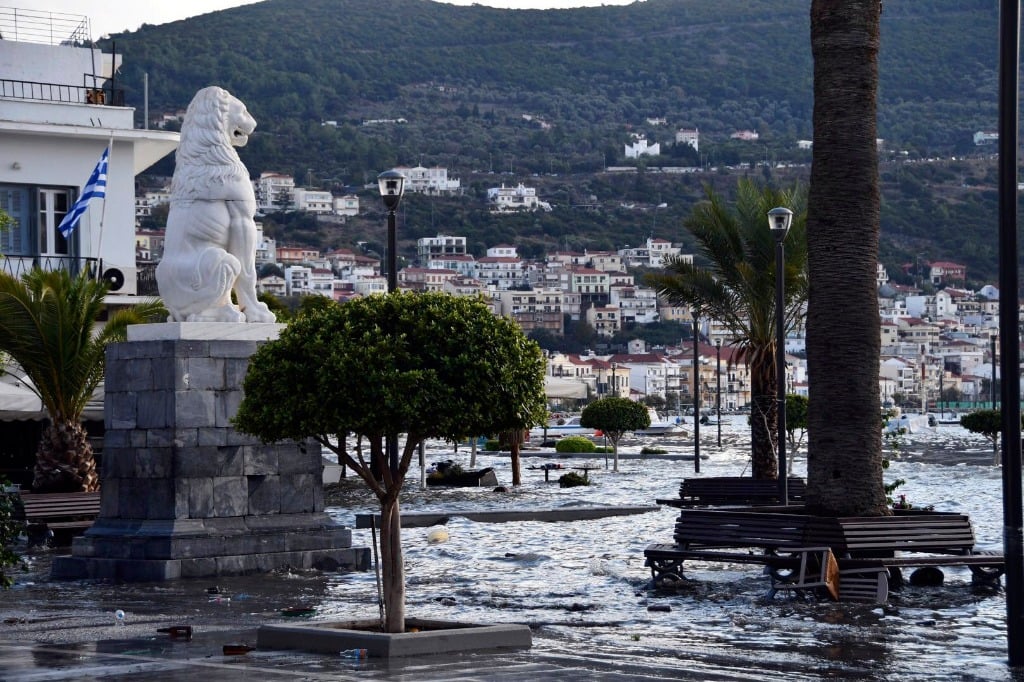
779 220
392 185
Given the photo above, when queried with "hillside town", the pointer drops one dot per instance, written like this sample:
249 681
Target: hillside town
936 338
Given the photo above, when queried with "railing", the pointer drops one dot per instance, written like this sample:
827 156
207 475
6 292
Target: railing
49 28
55 92
16 266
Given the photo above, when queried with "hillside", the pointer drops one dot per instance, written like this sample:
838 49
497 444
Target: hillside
556 94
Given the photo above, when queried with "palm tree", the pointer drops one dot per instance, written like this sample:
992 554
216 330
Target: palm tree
844 461
47 324
736 288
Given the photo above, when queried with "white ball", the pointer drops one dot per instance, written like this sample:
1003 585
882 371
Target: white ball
437 535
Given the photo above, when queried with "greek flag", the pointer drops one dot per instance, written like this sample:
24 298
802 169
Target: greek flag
95 187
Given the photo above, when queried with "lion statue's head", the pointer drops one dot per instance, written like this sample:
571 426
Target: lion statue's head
206 161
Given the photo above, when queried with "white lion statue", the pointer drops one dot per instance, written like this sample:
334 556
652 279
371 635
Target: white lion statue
210 245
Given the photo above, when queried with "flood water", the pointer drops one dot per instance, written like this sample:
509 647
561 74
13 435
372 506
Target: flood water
584 583
583 586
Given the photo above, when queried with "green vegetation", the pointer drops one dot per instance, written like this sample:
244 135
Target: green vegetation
10 530
796 417
573 480
988 423
615 416
47 322
462 78
650 450
575 444
427 365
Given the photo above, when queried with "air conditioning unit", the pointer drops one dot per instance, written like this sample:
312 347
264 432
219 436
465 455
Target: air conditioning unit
121 279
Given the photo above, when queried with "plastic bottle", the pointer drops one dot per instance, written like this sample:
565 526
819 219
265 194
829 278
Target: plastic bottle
357 654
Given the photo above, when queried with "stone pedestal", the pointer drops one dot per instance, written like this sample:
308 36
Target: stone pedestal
185 495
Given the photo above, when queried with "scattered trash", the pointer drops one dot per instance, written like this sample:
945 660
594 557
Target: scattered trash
218 599
178 632
660 608
213 590
237 649
298 612
119 617
355 653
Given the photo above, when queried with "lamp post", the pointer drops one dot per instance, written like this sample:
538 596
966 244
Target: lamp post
615 381
779 220
718 387
696 394
392 184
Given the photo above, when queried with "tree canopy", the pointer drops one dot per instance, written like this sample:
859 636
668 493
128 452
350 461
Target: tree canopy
427 365
615 416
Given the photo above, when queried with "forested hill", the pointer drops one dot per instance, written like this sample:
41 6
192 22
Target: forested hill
558 91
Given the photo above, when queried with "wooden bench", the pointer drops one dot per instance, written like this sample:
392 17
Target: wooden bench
733 490
864 548
908 539
62 514
725 535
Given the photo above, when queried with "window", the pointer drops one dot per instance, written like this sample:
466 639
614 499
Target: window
37 212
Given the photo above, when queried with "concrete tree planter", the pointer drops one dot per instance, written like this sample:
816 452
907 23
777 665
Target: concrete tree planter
422 637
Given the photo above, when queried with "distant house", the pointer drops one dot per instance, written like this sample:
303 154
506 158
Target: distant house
434 180
944 272
641 147
519 198
985 137
274 192
745 135
689 136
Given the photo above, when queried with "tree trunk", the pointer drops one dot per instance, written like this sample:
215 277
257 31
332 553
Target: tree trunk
844 459
392 568
64 461
615 453
763 418
515 439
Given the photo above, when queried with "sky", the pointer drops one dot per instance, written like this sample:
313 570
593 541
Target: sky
113 16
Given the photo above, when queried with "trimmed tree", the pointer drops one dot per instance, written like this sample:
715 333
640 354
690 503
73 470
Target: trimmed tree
988 423
615 416
48 323
426 365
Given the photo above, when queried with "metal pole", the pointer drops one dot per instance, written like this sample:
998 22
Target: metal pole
718 390
780 367
696 395
1009 89
992 376
392 440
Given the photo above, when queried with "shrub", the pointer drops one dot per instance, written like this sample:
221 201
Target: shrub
572 480
492 445
575 444
648 450
10 529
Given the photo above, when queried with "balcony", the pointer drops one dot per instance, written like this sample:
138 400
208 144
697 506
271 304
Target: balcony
64 94
16 266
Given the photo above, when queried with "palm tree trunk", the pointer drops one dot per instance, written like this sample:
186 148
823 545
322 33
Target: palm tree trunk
64 461
392 569
844 458
763 421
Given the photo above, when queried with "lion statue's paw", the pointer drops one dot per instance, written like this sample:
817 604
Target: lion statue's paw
259 313
224 313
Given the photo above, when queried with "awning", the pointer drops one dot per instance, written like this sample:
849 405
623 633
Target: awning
557 387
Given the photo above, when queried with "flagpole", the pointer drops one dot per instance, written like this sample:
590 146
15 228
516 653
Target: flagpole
103 215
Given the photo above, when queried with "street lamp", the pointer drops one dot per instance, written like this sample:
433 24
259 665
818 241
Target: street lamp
615 381
392 185
779 220
718 388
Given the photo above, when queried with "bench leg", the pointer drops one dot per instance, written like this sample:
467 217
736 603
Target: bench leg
987 576
666 573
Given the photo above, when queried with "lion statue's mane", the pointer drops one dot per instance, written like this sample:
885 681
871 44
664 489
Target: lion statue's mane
210 244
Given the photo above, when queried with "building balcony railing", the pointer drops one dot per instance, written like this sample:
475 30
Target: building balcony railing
56 92
16 266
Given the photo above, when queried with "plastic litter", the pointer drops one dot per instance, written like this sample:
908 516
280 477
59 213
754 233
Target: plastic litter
237 649
357 654
119 617
178 632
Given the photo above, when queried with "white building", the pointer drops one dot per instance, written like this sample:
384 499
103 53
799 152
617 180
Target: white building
429 180
51 143
652 255
641 147
315 201
346 205
443 245
689 136
520 198
274 192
